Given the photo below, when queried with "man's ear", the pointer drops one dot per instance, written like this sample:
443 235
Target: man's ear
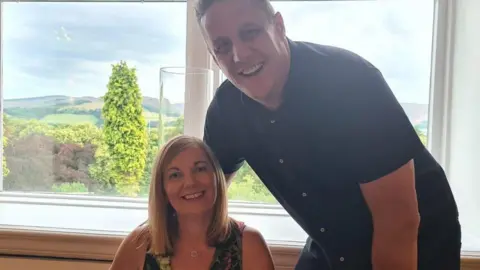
279 24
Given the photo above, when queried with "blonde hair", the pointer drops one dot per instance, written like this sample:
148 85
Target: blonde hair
160 231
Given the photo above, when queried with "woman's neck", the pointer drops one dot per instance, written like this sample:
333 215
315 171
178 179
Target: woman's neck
192 230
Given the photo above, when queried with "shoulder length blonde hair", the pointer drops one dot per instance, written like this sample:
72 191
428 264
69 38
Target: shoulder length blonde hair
161 228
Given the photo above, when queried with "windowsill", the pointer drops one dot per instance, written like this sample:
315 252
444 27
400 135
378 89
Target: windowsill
91 228
119 216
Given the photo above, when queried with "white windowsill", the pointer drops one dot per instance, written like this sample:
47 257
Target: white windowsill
118 216
91 228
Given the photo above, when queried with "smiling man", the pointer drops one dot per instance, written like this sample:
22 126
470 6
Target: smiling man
324 132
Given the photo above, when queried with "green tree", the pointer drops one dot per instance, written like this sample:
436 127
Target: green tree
85 133
247 186
4 161
421 135
152 150
4 143
124 129
174 129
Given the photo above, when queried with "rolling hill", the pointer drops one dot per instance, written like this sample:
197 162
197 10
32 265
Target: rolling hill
65 109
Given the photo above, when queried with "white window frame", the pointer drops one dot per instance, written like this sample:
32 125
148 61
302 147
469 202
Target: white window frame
43 242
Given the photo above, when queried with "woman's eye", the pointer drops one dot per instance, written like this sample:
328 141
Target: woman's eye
201 169
174 175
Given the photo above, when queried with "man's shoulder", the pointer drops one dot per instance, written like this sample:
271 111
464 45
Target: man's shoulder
225 100
330 57
223 113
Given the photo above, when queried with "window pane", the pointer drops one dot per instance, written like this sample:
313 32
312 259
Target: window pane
57 74
396 36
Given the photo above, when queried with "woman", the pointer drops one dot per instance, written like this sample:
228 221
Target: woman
188 227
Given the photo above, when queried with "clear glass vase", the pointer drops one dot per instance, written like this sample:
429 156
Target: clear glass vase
185 93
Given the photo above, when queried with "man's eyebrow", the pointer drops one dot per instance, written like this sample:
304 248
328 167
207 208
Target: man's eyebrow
248 24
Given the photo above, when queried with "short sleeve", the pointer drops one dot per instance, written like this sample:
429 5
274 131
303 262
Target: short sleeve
216 136
377 135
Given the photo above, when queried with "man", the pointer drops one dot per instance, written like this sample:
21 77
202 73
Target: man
323 131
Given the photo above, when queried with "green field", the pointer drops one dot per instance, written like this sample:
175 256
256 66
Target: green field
89 106
66 118
150 116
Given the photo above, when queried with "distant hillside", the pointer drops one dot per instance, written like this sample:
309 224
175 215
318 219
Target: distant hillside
64 109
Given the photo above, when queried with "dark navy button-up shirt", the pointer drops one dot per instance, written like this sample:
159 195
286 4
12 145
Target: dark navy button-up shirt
339 126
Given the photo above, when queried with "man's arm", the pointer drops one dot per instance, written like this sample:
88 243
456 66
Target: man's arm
381 144
393 203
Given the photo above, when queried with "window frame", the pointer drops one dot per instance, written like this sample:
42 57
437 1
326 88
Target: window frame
197 55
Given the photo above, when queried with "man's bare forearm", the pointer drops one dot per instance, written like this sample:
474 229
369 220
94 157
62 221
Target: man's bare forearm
395 251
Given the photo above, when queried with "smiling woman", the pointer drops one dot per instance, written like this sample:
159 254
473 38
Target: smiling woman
60 173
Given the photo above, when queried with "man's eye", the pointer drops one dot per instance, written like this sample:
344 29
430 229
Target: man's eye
220 50
250 34
253 32
222 46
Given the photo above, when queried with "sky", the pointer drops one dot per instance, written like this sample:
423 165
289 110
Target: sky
68 48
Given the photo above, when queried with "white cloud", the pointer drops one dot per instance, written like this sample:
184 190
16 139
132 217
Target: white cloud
394 35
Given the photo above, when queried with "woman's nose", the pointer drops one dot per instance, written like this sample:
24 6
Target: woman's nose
189 179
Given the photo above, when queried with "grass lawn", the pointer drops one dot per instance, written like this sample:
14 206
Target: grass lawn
66 118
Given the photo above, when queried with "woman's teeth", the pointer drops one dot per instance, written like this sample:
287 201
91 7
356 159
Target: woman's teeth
193 196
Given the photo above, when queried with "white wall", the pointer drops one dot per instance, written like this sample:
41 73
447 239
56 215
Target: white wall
464 140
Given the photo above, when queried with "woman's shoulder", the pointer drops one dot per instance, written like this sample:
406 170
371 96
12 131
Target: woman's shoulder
250 236
132 250
256 254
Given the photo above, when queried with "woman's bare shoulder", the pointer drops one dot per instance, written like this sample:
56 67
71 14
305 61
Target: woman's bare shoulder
256 254
131 252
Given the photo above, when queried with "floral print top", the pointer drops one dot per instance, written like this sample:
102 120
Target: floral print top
228 254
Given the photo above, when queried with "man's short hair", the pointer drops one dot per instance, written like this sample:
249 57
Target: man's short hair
202 6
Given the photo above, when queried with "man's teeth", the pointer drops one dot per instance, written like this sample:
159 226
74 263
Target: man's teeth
193 196
251 70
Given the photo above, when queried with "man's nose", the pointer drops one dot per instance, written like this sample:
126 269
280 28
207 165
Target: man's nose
241 52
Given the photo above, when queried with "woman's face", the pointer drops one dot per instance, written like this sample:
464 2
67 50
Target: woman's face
190 182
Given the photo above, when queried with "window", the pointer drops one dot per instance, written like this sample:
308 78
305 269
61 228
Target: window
55 72
386 33
55 75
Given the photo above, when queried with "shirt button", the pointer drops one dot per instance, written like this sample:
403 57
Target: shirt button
322 229
280 160
304 194
272 121
342 259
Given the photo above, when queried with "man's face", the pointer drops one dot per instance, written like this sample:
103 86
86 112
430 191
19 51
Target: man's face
248 46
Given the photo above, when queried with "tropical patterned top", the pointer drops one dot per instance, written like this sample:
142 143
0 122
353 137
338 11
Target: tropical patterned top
228 254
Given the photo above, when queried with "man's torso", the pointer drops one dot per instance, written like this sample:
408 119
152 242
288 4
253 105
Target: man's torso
299 150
